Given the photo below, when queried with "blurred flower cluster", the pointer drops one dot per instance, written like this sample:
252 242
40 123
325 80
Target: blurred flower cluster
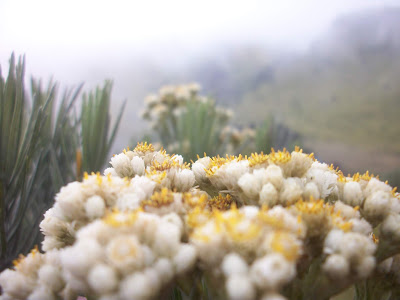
267 226
188 123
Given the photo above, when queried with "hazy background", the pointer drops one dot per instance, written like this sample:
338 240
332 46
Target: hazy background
328 69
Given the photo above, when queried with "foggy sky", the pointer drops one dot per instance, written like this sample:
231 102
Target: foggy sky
65 38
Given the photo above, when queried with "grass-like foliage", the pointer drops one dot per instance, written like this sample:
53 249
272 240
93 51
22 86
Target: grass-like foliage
96 140
40 140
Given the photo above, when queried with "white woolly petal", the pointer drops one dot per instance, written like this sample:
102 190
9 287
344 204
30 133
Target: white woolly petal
167 239
234 264
184 180
332 241
51 276
95 207
138 166
102 279
377 205
274 175
145 184
352 193
42 293
311 191
70 199
268 195
15 284
165 270
137 286
110 171
185 259
365 266
336 266
272 296
272 271
249 185
81 256
239 287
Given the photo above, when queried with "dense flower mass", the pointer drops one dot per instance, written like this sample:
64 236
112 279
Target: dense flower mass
266 226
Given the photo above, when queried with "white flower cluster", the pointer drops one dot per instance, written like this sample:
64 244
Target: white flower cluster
127 256
254 225
165 170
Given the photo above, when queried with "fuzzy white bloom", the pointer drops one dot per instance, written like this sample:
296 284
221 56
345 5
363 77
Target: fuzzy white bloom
229 174
174 219
287 220
250 211
233 264
122 165
391 227
167 239
361 226
102 279
178 159
110 171
299 164
42 292
185 258
346 211
272 271
51 277
138 166
137 286
336 266
249 185
81 257
164 268
97 230
377 205
199 167
15 284
332 241
376 185
130 201
125 253
211 249
184 180
358 249
268 195
239 287
144 184
291 191
352 193
325 180
311 191
272 296
95 207
274 175
54 226
71 199
365 266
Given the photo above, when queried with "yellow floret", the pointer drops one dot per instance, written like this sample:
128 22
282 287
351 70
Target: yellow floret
221 202
156 176
158 199
217 162
167 164
144 147
280 157
118 219
257 159
17 262
285 244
